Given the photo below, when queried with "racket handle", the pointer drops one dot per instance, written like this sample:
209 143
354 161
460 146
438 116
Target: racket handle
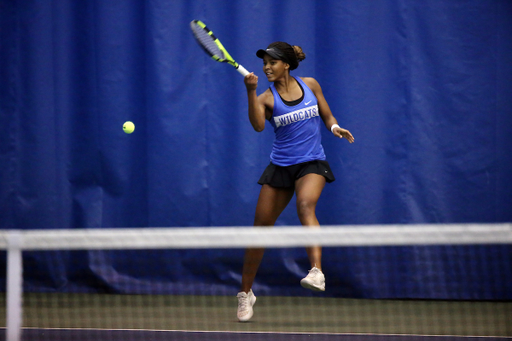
242 70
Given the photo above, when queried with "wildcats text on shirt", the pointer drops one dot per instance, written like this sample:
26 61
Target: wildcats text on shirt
296 116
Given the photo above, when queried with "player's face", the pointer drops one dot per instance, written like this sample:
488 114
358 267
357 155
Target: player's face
274 68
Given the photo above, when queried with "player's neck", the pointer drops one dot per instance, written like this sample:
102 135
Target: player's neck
285 84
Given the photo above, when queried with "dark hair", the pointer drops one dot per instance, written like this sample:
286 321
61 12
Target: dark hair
292 55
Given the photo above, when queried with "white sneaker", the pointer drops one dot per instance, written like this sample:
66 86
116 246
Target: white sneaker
245 303
315 280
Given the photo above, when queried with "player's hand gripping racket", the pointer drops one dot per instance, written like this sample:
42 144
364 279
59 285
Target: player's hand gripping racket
212 45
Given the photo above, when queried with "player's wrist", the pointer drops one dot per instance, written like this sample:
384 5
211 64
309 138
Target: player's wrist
334 126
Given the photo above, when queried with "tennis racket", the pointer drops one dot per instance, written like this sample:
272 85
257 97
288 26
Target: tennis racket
212 45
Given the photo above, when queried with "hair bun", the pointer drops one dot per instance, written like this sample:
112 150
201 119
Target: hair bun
299 53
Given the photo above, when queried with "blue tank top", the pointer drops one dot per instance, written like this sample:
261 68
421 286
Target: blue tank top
297 128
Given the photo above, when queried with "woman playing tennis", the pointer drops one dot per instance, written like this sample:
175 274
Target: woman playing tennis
294 107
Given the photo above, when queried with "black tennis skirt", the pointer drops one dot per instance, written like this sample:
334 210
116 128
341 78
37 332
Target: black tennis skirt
277 176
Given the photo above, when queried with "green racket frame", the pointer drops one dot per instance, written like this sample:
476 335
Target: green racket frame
226 57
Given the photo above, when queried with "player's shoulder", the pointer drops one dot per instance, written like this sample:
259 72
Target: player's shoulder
266 93
310 82
266 97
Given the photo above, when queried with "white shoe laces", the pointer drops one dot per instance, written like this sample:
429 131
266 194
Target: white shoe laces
313 272
243 301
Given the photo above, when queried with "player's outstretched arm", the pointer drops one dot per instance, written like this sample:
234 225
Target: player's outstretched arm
342 133
325 112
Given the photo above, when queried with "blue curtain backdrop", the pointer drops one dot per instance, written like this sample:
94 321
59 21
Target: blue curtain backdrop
424 86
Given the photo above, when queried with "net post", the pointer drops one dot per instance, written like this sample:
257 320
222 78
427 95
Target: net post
14 286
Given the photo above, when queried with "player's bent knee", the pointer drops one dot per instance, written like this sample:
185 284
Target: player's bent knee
305 208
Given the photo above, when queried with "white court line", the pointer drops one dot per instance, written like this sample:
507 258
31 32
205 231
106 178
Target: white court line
272 332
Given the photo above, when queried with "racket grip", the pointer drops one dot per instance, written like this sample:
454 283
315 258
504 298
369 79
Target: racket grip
242 70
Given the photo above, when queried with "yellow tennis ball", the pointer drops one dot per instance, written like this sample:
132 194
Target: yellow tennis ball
128 127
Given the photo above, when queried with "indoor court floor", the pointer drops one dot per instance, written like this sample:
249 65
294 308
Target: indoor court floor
53 316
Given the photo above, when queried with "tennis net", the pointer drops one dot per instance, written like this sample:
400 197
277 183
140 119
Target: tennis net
388 281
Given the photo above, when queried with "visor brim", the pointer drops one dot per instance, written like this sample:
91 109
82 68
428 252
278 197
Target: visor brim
272 52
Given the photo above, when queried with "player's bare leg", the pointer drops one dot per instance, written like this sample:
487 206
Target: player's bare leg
271 203
308 190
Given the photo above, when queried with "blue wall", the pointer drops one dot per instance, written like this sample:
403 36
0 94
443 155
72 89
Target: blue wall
424 86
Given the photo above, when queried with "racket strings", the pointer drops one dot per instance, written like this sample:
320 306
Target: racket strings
207 41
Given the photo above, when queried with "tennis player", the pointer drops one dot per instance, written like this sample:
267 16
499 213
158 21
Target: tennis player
294 106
